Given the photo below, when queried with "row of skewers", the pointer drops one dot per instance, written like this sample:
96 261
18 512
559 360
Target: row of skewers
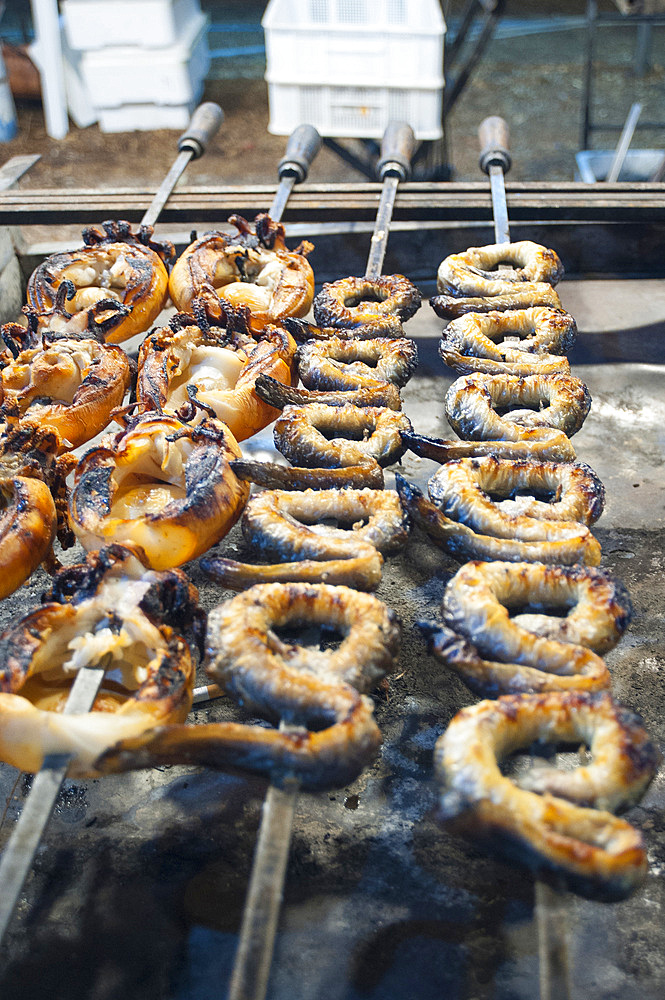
340 430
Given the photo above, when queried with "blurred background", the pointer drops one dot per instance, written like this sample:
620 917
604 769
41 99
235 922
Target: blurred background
564 75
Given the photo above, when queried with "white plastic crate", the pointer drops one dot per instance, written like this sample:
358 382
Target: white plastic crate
126 75
349 66
146 117
96 24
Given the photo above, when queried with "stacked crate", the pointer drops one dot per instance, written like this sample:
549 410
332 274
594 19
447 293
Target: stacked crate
142 63
350 66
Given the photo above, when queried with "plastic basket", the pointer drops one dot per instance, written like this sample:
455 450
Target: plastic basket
349 66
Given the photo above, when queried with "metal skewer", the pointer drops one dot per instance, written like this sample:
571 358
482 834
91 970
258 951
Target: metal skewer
18 856
302 147
249 980
192 144
550 903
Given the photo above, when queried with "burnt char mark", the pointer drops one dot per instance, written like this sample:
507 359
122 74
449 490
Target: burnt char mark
74 584
18 645
169 679
94 490
173 601
644 756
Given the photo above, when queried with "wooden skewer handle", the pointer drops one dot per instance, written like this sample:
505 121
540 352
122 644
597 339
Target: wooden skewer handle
303 145
397 147
204 124
494 144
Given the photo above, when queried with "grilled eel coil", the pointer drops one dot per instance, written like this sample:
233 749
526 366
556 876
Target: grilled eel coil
510 417
553 821
302 331
349 365
531 649
107 611
66 383
383 303
215 370
117 283
160 486
295 527
477 342
319 691
471 282
519 537
252 267
319 434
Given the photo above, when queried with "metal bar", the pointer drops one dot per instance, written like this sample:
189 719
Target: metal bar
552 921
203 125
377 250
18 856
624 142
499 205
264 896
282 195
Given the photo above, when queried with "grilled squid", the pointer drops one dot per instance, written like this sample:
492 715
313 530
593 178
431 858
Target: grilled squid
503 635
215 371
317 692
561 542
68 384
112 612
349 365
559 821
252 267
384 303
29 487
116 283
160 486
328 536
336 436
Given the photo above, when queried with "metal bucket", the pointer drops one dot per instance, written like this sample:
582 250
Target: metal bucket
640 164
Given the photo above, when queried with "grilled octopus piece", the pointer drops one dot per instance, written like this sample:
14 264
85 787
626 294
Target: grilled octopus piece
108 610
66 383
252 267
317 691
557 822
160 486
115 285
204 361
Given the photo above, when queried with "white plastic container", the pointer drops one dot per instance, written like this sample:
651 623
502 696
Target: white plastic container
96 24
349 66
127 75
146 117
